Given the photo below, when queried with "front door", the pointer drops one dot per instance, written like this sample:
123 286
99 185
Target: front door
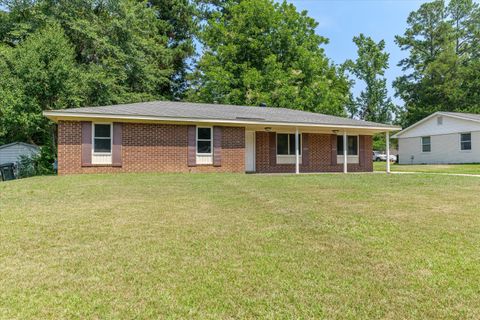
250 151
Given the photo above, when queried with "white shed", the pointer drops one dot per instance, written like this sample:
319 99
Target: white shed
441 138
12 152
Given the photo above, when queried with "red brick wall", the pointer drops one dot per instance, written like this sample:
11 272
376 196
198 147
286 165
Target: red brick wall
320 156
163 148
150 148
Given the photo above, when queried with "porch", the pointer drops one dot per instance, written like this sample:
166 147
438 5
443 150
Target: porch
309 150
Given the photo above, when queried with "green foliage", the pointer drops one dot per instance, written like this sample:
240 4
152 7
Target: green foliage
40 164
373 104
179 23
65 54
443 62
260 51
39 74
380 142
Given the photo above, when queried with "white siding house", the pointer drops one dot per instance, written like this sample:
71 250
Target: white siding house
12 152
443 137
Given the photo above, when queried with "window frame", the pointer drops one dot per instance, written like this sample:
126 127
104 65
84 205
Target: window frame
197 140
103 138
422 144
462 142
288 144
349 155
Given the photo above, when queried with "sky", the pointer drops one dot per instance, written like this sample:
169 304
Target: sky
341 20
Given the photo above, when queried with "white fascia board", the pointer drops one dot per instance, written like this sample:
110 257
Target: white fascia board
399 134
54 114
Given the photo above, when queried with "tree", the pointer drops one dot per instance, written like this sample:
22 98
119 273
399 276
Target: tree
373 104
179 21
464 18
38 75
443 44
259 51
129 50
70 53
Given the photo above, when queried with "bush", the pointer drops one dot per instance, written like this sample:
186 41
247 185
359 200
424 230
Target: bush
36 165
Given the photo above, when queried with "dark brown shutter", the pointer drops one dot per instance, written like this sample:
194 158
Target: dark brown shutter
333 142
86 143
361 152
272 146
217 146
305 149
117 144
192 148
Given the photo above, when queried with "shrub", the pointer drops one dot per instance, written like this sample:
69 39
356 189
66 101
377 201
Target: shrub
35 165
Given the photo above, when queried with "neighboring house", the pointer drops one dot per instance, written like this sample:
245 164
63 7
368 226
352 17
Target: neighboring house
193 137
12 152
443 137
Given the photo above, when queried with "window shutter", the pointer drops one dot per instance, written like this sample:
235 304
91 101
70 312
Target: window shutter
217 146
361 153
333 142
192 148
117 144
86 143
272 145
305 149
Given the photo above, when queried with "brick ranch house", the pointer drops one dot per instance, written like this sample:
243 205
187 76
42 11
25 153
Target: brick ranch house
166 136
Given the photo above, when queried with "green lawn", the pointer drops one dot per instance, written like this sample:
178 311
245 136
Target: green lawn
209 246
430 168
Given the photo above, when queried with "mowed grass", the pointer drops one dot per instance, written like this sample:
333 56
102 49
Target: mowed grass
473 168
219 246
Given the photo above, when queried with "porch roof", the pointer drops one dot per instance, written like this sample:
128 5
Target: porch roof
169 111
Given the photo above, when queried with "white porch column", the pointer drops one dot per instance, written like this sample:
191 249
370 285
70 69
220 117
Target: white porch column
388 150
345 155
297 152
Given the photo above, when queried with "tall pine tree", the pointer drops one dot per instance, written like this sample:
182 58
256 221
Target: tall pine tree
373 104
442 67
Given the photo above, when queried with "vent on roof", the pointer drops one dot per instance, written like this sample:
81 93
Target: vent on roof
263 104
248 118
439 120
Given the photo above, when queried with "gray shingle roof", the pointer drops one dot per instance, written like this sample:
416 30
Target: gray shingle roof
22 143
203 111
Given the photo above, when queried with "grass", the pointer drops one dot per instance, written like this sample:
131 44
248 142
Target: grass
473 168
207 246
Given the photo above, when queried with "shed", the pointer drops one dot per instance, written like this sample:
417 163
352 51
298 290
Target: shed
13 152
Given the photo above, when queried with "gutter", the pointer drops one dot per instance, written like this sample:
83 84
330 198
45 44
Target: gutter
52 115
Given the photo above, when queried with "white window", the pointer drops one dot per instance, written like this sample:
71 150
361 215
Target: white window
102 143
204 140
352 145
204 145
466 141
352 149
286 144
426 144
